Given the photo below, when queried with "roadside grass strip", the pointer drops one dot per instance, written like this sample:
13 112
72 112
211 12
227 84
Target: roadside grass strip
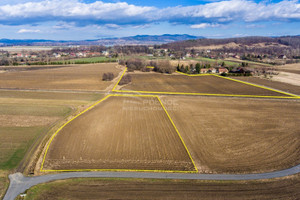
119 170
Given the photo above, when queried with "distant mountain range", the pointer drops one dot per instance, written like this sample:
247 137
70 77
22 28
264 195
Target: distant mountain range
134 40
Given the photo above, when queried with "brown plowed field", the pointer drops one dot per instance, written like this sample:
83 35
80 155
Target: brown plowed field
273 84
119 133
78 77
238 136
187 84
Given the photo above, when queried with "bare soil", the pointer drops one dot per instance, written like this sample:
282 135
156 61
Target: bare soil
287 188
238 135
187 84
119 133
273 84
79 77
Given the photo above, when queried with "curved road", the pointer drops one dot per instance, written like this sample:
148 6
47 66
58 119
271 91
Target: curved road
19 183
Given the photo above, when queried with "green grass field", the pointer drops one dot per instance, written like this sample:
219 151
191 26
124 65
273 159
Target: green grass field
93 60
213 61
14 142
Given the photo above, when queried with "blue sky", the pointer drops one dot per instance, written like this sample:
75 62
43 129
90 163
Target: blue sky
91 19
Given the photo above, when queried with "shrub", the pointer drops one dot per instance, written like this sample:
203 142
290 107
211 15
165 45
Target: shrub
164 66
125 80
108 76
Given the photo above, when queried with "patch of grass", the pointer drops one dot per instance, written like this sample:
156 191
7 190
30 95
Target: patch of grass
93 60
213 61
3 183
14 142
34 110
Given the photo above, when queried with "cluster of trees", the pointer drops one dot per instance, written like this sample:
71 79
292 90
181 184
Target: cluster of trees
274 47
125 80
162 66
193 69
108 76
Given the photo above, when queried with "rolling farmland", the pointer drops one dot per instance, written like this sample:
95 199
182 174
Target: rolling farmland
134 134
79 77
238 135
186 84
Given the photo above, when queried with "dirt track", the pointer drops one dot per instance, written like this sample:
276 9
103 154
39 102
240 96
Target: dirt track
120 133
199 84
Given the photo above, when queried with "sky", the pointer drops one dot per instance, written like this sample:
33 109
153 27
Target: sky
93 19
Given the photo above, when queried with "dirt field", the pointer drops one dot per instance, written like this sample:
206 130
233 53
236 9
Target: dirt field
186 84
238 136
120 133
273 84
292 68
287 188
79 77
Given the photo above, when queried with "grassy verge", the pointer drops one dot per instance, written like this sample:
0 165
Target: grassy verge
4 182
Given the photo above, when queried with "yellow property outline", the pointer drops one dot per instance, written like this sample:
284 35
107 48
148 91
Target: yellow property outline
289 96
119 170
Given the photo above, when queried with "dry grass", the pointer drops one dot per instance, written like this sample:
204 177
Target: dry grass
186 84
3 183
26 121
81 77
238 135
120 133
50 95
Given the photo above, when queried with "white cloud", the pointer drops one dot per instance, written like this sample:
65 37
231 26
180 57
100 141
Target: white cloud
255 26
204 25
112 26
29 31
122 13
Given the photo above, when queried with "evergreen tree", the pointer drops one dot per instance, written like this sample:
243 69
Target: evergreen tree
198 67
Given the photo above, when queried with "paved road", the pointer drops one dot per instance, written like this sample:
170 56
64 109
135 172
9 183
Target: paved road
19 183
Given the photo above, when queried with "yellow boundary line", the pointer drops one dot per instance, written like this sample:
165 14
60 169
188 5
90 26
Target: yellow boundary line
119 79
193 74
42 166
120 170
289 96
209 94
244 82
178 133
